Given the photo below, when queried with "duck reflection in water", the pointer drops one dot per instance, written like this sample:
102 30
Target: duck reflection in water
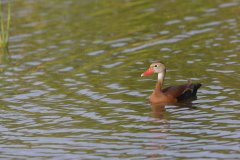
158 110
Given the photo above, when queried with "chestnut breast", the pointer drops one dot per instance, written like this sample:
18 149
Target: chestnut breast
161 98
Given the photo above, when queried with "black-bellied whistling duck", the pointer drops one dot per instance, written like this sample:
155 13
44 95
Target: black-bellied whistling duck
170 94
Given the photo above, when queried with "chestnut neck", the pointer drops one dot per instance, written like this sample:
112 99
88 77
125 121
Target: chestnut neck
159 83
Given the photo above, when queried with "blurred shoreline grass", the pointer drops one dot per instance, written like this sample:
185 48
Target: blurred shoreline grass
5 24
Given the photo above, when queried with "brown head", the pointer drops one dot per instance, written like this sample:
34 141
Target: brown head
156 67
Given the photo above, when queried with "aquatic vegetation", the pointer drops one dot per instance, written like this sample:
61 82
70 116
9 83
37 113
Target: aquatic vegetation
5 24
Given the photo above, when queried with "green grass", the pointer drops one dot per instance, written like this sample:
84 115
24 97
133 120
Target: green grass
5 25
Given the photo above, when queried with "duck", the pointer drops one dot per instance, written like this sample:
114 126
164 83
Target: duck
172 94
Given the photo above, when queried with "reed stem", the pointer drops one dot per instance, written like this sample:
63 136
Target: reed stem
5 25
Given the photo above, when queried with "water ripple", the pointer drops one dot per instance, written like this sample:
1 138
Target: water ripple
167 41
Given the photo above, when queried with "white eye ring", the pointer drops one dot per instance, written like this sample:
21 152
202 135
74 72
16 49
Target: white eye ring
156 65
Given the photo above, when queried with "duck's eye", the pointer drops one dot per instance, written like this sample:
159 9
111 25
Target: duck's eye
156 66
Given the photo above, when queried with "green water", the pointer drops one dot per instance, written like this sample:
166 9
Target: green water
71 85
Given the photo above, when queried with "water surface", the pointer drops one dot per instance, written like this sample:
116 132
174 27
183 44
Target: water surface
71 85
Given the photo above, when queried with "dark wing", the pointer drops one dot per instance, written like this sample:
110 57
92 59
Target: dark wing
182 92
175 91
191 92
